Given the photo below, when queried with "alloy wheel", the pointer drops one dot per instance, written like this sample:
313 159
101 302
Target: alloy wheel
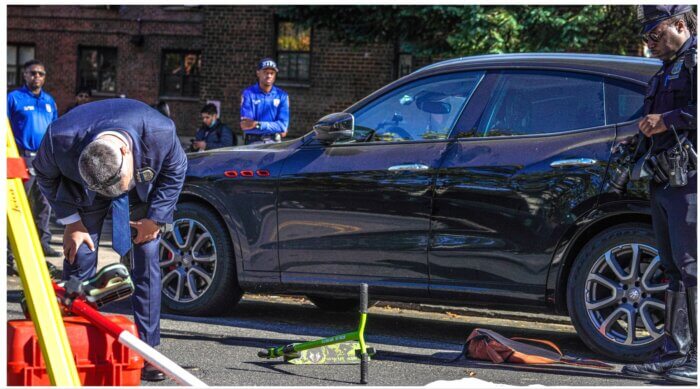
625 295
187 261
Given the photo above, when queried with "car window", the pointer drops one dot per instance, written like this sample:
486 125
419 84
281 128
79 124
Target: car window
623 101
422 110
543 102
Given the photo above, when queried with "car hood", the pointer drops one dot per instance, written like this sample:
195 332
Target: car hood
249 157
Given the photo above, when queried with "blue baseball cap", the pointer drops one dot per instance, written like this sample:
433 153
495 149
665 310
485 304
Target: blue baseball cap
267 63
651 15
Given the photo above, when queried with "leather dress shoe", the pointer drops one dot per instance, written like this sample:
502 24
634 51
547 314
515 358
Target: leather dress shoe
687 373
150 373
654 370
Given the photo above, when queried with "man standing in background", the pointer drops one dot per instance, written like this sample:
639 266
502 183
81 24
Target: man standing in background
30 110
264 107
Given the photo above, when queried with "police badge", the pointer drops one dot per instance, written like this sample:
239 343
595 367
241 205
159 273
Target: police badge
276 102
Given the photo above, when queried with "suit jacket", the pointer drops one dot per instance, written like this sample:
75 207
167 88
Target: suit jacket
154 141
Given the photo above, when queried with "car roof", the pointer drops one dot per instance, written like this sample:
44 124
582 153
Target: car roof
638 68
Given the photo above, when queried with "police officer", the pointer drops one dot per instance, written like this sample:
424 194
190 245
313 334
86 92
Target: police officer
30 110
264 107
670 117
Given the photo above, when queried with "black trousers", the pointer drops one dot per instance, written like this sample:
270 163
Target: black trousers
674 217
41 210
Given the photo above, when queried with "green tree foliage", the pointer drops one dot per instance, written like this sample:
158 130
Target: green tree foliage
449 31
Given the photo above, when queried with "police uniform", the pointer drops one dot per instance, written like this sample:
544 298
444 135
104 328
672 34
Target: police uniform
30 116
270 110
671 93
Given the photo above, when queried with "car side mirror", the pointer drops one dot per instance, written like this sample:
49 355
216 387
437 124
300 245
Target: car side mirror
335 127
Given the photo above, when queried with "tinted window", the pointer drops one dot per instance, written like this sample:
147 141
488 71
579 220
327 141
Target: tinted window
623 101
542 102
424 109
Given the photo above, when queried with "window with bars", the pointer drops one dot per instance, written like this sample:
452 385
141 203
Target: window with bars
293 51
180 73
17 55
97 69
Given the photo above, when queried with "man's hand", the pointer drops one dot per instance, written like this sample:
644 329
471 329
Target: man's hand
146 230
200 144
74 235
248 124
652 124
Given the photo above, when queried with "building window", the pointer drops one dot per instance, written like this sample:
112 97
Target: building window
97 69
180 73
293 51
405 64
17 55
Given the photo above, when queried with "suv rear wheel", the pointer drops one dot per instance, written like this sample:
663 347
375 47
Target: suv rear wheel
198 269
615 293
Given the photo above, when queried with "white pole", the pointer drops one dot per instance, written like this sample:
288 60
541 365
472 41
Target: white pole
160 361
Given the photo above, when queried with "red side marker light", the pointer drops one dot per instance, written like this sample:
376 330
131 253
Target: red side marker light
231 173
247 173
263 173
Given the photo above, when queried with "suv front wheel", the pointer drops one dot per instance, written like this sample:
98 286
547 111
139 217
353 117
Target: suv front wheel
615 293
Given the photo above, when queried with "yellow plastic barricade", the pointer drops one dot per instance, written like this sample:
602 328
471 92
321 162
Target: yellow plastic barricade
40 296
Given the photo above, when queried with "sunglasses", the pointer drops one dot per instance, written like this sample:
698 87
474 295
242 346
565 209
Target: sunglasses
37 73
654 36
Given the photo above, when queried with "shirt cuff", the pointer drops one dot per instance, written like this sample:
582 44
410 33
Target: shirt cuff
69 219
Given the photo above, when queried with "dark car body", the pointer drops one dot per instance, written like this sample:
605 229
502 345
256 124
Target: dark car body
459 218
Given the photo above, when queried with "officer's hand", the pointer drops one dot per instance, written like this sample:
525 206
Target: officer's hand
652 124
247 124
146 230
200 144
74 235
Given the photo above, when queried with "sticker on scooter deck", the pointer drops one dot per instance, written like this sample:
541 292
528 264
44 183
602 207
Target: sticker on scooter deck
345 353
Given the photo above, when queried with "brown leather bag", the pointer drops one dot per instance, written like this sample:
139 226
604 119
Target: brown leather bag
490 346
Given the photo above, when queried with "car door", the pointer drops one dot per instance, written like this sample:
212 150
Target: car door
360 209
532 162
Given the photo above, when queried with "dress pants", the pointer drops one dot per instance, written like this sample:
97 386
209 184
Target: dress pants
145 271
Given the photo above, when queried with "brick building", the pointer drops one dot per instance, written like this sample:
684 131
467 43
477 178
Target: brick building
190 55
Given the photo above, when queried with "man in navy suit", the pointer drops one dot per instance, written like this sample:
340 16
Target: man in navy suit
110 154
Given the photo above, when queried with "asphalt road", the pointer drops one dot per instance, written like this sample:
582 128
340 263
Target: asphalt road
414 348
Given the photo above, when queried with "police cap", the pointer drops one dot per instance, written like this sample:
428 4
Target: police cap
651 15
267 63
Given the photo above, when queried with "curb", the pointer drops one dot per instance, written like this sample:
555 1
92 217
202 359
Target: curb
479 312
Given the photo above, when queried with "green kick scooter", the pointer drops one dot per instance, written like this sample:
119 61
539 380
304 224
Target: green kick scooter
348 348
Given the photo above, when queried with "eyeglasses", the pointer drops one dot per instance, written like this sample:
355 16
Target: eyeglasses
83 96
37 73
116 177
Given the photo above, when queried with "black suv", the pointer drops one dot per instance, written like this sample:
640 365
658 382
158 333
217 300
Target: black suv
474 181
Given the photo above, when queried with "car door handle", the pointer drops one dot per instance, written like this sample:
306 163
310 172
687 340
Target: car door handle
409 167
574 162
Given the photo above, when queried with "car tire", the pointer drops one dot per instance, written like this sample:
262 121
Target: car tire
207 261
604 296
337 304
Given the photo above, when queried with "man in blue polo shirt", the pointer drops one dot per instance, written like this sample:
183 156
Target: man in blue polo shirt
31 110
264 107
